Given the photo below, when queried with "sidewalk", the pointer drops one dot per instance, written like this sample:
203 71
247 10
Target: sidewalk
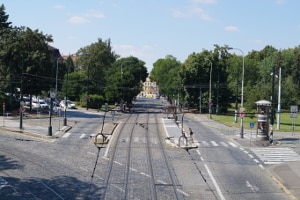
36 127
287 175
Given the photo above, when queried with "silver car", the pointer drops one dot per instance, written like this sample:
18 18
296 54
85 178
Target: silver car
67 103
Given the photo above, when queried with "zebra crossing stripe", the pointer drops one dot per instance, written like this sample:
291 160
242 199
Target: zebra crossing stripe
272 156
66 135
232 144
214 143
224 144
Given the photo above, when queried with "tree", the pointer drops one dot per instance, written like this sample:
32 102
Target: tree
4 24
166 74
124 79
94 60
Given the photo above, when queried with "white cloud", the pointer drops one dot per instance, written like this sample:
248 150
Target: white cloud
205 1
78 20
84 18
231 28
144 53
202 14
192 11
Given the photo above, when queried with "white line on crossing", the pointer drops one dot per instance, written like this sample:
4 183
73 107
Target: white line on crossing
66 135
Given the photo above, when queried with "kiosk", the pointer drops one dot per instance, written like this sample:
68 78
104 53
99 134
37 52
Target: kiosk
263 107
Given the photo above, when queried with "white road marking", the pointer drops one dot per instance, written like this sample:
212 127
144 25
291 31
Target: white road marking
66 135
252 187
270 156
84 169
182 192
118 163
224 144
232 144
142 173
108 146
215 183
214 143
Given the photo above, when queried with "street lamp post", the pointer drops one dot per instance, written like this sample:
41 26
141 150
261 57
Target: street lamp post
21 99
66 99
210 101
200 97
242 95
56 75
272 99
87 97
279 99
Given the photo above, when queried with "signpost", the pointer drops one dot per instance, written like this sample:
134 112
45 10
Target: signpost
251 125
3 113
293 115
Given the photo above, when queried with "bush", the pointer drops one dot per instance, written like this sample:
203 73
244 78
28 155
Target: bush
95 101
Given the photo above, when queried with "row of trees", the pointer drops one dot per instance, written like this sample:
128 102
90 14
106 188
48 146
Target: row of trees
189 81
30 66
95 74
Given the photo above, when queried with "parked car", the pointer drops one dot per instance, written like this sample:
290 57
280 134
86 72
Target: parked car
35 104
43 105
40 104
67 103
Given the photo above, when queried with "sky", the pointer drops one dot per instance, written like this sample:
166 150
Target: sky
152 29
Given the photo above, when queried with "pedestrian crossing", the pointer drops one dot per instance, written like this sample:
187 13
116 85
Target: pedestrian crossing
126 139
272 156
79 136
210 143
143 140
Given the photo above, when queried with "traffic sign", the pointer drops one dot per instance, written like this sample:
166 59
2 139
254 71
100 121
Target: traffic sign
22 109
251 124
294 111
242 114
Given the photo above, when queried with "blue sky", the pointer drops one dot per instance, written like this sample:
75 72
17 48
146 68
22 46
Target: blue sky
152 29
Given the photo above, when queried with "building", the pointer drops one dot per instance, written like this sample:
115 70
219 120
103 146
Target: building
150 89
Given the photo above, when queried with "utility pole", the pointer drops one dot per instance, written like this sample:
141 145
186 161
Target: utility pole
272 98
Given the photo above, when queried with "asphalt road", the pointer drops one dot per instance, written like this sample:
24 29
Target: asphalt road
132 165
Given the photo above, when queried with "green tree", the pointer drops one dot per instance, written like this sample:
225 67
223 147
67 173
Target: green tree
290 93
166 74
4 24
124 79
94 60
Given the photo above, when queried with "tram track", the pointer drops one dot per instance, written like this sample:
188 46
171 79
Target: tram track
138 163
